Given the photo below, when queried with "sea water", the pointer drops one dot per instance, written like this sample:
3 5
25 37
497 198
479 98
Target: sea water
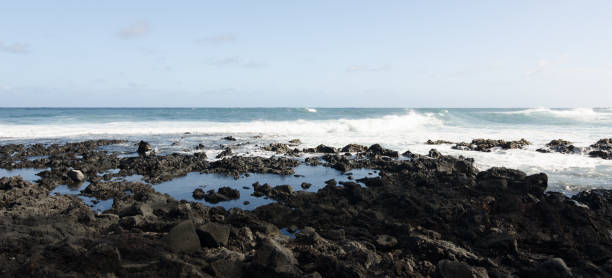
181 129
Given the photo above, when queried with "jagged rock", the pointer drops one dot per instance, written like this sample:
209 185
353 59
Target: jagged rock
144 147
198 194
226 152
602 149
377 149
354 148
438 142
277 147
325 149
305 185
433 153
223 194
271 258
485 145
213 235
229 138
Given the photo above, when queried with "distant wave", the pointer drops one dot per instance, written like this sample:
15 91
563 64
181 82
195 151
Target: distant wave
577 114
311 110
408 122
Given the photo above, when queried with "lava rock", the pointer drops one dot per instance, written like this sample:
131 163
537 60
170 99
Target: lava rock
183 237
377 149
354 148
144 147
213 235
271 258
198 194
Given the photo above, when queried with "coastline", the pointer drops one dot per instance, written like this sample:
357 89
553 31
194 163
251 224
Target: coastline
422 215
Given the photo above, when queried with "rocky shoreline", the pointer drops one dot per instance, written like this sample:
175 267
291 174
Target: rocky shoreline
422 216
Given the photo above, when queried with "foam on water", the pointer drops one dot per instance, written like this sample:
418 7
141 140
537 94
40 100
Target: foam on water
398 129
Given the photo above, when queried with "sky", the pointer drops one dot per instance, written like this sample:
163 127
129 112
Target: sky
306 53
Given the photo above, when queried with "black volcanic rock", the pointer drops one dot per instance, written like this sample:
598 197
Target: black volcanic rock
144 147
421 217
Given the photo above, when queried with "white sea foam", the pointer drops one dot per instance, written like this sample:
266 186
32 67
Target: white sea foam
403 132
311 110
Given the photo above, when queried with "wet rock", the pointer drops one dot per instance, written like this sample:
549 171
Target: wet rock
213 235
437 142
76 175
229 192
377 149
562 146
144 147
226 152
305 185
602 149
433 153
223 194
198 194
229 138
354 148
485 145
277 148
325 149
183 237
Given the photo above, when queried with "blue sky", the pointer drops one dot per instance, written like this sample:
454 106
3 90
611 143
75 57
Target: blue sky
306 53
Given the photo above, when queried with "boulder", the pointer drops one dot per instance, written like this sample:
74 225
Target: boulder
76 175
183 237
377 149
213 235
274 259
144 147
433 153
198 194
325 149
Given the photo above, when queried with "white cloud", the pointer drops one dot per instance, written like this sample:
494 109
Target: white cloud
370 68
134 30
218 39
15 48
234 61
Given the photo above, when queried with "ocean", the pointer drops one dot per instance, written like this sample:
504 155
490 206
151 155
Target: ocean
181 129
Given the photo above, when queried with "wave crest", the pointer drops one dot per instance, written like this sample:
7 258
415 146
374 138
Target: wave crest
375 126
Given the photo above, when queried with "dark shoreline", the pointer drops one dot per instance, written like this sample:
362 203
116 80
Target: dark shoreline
432 215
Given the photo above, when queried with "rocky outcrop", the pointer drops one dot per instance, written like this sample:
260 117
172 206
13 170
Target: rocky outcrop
602 149
420 217
485 145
